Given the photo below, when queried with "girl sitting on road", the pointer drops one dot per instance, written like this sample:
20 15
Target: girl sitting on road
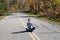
30 26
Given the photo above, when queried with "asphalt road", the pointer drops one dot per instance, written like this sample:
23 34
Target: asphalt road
13 27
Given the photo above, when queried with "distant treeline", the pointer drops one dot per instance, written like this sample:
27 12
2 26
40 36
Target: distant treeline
47 8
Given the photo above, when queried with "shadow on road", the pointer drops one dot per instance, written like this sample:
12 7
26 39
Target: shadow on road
19 32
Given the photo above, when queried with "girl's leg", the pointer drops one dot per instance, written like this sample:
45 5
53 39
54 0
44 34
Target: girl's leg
33 28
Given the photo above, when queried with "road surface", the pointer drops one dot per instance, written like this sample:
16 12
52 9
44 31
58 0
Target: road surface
13 27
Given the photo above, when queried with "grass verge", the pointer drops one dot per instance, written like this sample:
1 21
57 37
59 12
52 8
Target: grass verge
4 15
1 17
52 21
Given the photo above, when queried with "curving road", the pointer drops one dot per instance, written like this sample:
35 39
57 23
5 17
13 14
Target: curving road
13 27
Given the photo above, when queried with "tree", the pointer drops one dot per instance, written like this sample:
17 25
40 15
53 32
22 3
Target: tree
2 7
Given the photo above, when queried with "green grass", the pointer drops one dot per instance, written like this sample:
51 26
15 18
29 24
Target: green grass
1 17
5 14
31 14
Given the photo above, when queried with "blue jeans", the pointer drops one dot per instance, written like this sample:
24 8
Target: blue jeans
30 29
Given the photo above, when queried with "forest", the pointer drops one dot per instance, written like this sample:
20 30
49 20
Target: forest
42 8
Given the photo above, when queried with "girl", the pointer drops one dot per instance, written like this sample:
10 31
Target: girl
30 26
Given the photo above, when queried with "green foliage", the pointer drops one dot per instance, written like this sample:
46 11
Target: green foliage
13 3
56 1
2 5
